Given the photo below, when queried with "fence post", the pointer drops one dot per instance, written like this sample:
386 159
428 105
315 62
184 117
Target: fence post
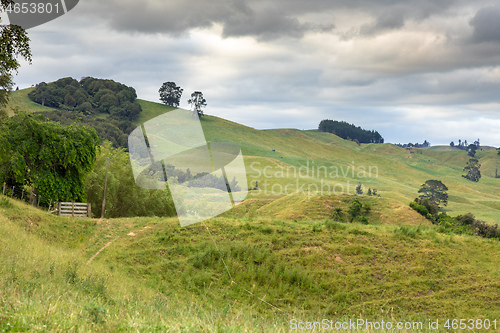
50 205
38 198
4 188
72 209
31 197
12 195
89 210
22 196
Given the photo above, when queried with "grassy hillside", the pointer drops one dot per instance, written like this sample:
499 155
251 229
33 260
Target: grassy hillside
19 99
332 165
148 274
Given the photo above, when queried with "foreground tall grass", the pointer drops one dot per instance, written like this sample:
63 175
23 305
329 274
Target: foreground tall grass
156 276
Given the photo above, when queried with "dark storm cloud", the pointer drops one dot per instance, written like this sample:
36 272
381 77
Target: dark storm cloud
269 25
179 17
258 18
486 24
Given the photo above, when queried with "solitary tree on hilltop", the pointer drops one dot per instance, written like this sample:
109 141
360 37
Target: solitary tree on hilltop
434 191
198 102
170 94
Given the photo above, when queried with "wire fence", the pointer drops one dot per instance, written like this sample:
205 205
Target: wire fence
30 197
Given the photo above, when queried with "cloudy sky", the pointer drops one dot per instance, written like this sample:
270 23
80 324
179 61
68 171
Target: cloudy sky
411 69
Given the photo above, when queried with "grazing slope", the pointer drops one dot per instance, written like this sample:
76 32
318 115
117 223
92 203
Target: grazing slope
395 172
145 274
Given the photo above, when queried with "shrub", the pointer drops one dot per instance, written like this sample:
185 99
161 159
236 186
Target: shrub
422 210
432 208
446 220
485 230
363 220
466 219
355 209
467 224
337 214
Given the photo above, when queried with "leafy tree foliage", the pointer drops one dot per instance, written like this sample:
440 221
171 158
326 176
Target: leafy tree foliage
416 145
14 42
349 131
123 198
355 209
47 156
170 94
463 145
198 102
473 172
81 101
435 191
114 130
472 150
89 96
426 208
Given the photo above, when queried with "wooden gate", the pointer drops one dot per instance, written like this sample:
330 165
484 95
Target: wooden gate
74 209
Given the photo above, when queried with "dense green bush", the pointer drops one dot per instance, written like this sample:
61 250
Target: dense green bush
355 209
461 224
363 220
485 230
124 198
432 208
52 159
422 210
114 130
89 96
350 131
446 220
466 219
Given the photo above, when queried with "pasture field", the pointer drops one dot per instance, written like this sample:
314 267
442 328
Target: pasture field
150 274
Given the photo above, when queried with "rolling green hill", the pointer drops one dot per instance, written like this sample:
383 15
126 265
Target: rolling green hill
280 245
332 165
